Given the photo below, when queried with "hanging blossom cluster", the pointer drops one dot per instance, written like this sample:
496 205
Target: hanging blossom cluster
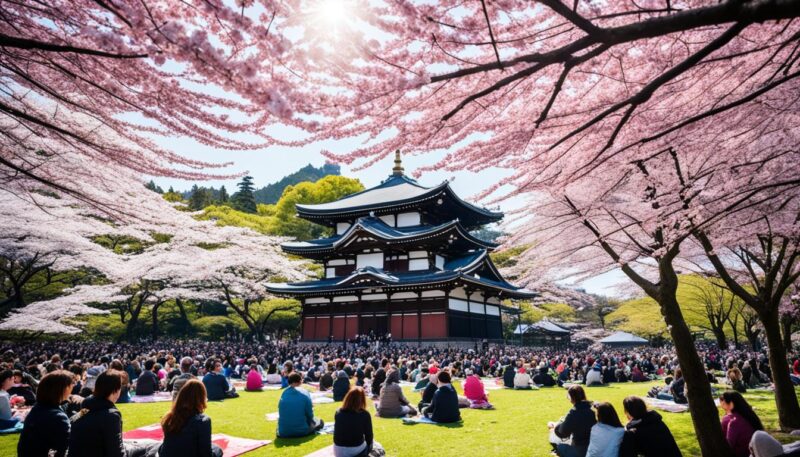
182 257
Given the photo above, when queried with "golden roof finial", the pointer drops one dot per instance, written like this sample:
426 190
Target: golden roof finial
398 164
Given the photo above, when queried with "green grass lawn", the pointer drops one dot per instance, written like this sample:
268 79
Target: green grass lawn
517 427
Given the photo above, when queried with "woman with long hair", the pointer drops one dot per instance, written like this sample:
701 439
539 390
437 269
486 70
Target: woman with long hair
739 422
606 436
187 431
352 429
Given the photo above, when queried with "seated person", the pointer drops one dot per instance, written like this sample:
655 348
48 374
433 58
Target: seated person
326 380
391 401
522 380
650 436
594 377
764 445
216 384
676 389
341 386
576 425
739 423
735 380
187 431
177 382
273 377
352 429
444 406
422 379
295 411
508 376
543 377
427 394
46 431
7 419
254 381
606 436
97 428
21 388
475 392
147 382
637 375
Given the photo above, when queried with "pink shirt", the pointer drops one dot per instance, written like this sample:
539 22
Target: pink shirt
254 381
738 433
473 389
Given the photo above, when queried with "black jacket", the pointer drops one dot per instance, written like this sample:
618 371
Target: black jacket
147 383
350 429
508 376
194 439
543 378
649 436
340 388
578 424
444 406
97 430
377 381
46 428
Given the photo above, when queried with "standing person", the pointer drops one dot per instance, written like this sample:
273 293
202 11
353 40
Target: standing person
392 402
739 422
606 436
147 382
187 431
352 430
295 411
577 424
97 428
650 435
444 405
46 431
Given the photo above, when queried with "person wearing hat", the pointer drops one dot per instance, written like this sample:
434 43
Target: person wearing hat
522 380
341 386
543 377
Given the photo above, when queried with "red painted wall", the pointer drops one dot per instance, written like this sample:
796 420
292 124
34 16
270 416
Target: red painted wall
433 326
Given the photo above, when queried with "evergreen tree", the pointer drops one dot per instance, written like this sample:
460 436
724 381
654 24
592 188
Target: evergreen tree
152 186
200 198
243 200
171 190
223 195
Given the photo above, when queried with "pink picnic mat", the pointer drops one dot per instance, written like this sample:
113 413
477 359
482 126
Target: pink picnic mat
324 452
231 445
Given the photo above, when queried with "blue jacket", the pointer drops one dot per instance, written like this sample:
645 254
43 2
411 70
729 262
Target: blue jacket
444 406
194 439
295 413
46 428
216 386
605 441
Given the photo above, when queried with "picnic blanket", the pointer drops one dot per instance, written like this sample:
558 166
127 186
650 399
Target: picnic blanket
666 405
272 417
231 445
156 397
491 384
241 385
418 420
326 429
17 428
321 397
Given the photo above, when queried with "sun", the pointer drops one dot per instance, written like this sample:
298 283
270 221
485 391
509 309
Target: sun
331 12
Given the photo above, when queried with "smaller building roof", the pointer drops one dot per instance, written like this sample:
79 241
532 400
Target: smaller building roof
623 338
544 326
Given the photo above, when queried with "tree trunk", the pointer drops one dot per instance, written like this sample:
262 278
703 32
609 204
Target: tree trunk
785 398
722 341
704 412
154 325
134 319
786 331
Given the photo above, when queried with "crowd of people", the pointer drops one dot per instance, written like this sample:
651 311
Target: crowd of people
73 388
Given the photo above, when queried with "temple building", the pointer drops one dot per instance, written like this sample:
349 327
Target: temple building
401 261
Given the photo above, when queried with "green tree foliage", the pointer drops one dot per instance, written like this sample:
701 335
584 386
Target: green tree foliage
121 244
642 316
223 195
243 200
200 198
152 186
172 196
325 190
215 327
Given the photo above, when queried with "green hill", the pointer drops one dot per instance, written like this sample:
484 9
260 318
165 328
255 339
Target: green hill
271 193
